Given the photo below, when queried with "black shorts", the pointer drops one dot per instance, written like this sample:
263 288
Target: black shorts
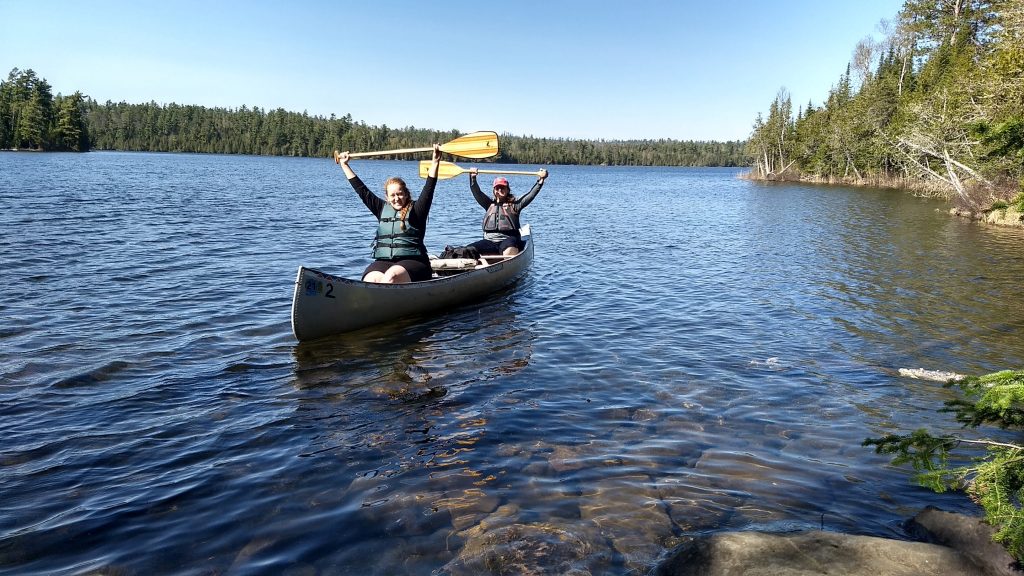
492 247
419 270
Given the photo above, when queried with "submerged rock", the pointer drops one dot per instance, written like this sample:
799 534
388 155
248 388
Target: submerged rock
812 553
522 549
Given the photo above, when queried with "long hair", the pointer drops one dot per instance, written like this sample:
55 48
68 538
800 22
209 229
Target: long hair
408 197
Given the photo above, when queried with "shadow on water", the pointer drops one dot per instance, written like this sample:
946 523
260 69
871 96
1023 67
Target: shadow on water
397 358
436 362
389 351
401 415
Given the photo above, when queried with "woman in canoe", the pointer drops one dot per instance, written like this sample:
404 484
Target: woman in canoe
398 250
501 221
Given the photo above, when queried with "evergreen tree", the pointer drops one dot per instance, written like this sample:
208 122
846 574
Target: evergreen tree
72 133
31 117
7 108
33 120
942 112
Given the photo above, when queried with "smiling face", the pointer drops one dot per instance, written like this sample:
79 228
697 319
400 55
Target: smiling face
397 193
500 192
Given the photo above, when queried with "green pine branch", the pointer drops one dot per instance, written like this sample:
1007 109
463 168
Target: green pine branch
994 481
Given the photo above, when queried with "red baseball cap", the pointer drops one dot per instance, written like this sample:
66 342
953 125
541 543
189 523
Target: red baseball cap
500 181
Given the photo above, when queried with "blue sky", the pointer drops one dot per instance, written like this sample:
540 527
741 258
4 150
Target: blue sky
555 68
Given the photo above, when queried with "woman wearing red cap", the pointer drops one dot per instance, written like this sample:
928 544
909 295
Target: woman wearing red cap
398 250
501 222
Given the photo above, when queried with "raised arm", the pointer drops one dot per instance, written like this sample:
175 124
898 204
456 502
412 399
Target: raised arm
482 199
343 159
426 197
372 202
435 161
525 200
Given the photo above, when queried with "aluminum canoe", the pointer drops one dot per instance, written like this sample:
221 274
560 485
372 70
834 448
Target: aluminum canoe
324 304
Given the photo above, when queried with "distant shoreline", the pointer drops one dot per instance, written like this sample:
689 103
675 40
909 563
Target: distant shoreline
998 215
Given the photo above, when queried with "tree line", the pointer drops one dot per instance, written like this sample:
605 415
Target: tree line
937 106
31 118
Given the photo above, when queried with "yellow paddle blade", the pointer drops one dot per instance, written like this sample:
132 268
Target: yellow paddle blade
475 145
445 170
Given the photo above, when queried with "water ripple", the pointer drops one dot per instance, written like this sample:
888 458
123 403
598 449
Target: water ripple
707 354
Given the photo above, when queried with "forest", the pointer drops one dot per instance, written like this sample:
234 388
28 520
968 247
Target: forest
31 118
936 107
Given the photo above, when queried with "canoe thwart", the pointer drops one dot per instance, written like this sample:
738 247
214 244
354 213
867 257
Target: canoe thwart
445 264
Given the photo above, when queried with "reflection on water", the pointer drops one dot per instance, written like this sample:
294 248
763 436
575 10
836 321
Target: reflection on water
401 399
706 354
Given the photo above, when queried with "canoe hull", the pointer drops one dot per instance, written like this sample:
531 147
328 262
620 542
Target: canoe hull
324 304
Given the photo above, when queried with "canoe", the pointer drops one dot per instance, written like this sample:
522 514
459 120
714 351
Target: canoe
324 304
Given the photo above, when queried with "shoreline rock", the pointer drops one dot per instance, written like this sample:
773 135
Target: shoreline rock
955 545
1008 216
965 534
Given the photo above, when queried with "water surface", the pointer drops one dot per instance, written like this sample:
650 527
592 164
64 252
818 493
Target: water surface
690 352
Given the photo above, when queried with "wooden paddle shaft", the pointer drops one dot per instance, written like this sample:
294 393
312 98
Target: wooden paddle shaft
537 173
387 152
448 170
475 145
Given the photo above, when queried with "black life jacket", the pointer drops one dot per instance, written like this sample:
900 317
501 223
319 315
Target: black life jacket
499 218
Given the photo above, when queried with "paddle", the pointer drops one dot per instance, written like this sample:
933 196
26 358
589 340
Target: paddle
475 145
448 170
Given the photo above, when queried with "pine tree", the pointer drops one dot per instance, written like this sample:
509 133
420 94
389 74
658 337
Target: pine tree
995 480
71 132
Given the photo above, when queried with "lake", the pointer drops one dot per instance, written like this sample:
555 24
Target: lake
690 352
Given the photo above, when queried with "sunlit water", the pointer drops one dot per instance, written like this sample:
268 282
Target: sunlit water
690 352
